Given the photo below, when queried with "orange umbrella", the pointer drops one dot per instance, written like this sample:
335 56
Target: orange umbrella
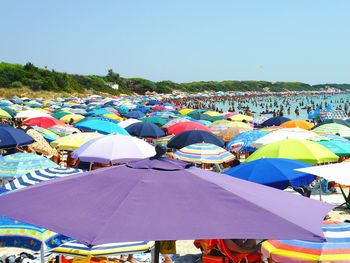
297 124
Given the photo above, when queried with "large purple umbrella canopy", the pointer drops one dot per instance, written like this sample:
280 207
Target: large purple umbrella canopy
163 199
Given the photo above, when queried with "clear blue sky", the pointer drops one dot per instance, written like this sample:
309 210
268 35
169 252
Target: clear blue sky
182 40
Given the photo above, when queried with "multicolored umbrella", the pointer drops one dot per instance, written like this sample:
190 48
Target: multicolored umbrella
4 114
301 150
245 140
63 130
17 234
233 131
336 248
38 176
204 153
47 134
333 128
75 248
18 164
174 121
74 141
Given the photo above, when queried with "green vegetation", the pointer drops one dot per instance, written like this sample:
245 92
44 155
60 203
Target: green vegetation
38 79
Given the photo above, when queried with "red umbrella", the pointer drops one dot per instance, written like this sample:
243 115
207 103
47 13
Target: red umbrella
186 126
43 122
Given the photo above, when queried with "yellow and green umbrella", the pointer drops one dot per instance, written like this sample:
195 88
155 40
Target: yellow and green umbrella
295 149
241 117
75 117
74 141
4 114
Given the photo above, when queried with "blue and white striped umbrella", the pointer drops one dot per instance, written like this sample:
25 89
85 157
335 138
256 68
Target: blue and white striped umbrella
39 176
74 248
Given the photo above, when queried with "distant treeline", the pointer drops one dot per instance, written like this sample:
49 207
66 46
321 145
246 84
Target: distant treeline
15 75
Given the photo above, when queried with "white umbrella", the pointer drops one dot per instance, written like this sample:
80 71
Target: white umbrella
127 122
32 114
282 134
114 148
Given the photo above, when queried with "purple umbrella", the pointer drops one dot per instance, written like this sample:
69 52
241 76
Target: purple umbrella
163 199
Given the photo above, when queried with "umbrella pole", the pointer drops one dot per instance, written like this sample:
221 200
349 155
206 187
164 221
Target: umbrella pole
156 252
42 255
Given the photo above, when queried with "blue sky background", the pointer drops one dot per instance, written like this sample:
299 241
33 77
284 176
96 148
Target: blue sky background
182 40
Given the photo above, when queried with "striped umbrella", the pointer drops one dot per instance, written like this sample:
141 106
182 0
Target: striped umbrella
204 153
74 248
47 134
336 248
18 164
333 128
174 121
38 176
62 130
231 132
17 234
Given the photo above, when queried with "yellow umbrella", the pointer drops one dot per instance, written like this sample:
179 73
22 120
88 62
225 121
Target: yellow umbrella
113 116
75 117
185 111
241 117
212 113
74 141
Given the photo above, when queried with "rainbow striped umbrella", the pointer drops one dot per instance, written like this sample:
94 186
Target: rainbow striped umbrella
333 128
63 130
204 153
336 248
74 248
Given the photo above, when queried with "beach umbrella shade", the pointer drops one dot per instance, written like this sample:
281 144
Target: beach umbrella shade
301 150
232 132
127 122
78 111
74 141
204 122
4 114
74 117
204 153
77 249
135 114
10 137
282 134
156 120
114 148
100 125
43 122
186 126
274 121
337 147
97 112
245 140
199 116
18 164
127 194
163 140
113 116
185 111
333 128
212 113
174 121
63 130
41 175
329 121
47 134
60 114
274 172
241 117
31 114
21 235
164 114
186 138
297 124
336 248
145 130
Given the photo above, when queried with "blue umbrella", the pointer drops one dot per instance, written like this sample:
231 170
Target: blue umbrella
145 130
103 126
275 172
10 137
38 176
97 112
246 138
194 136
135 114
275 121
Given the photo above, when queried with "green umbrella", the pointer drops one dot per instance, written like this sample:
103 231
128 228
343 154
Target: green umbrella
4 114
333 128
59 114
339 148
156 120
301 150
